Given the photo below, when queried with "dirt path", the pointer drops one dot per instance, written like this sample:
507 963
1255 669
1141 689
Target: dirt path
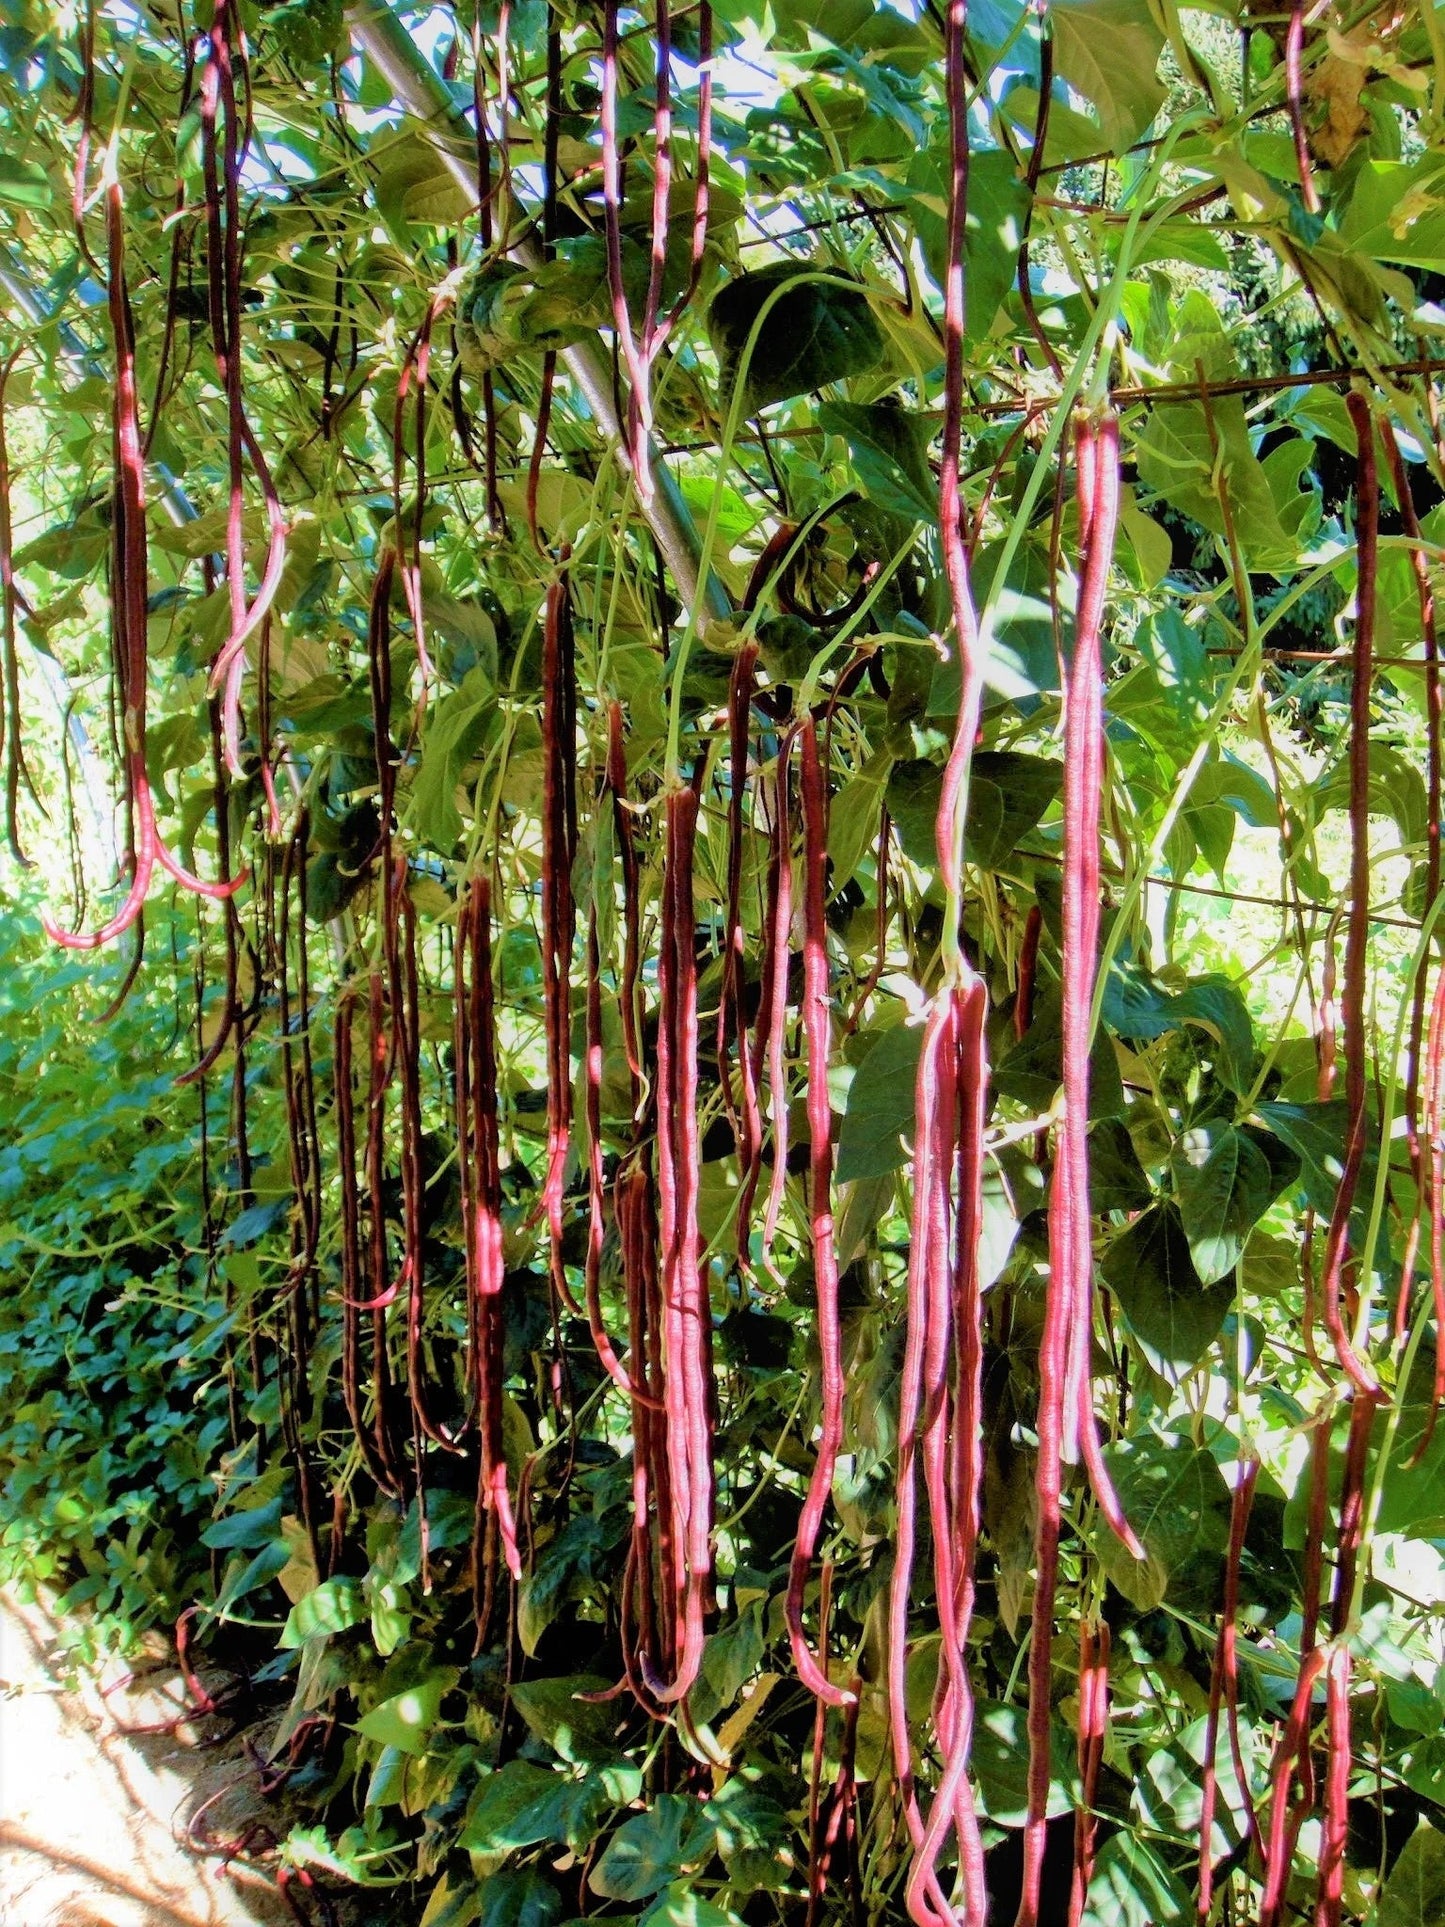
92 1817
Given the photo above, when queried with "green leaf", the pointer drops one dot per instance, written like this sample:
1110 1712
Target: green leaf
731 1656
1132 1887
571 1566
256 1527
1397 212
1224 1184
470 633
330 1608
449 1517
1032 1069
1172 1315
646 1852
998 202
1001 1765
24 183
1175 1498
577 1729
458 724
521 1897
242 1580
881 1107
488 307
740 1819
1009 791
1190 456
494 1819
1316 1134
1414 1894
1298 509
452 1902
1170 1790
1117 1180
414 184
680 1905
853 818
307 31
1413 1497
405 1721
1227 779
813 333
350 1856
571 1811
1109 51
1176 653
889 446
1137 1006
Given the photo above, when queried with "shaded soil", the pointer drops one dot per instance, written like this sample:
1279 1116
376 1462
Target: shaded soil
105 1824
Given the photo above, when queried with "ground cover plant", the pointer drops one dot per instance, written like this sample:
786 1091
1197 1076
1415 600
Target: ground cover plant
723 1080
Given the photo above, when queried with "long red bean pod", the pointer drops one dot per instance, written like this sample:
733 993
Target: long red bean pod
1028 970
1093 1729
686 1311
1065 1425
1357 939
731 1017
638 353
559 909
648 1636
934 1155
230 1017
934 1058
1083 790
298 1070
627 346
952 1440
405 997
952 509
1291 1754
382 1286
344 1087
414 375
11 602
621 1376
1334 1817
627 1378
1280 1836
1293 50
395 1043
300 1291
486 227
631 902
661 209
222 172
482 1197
651 1651
837 1817
1224 1685
773 1013
129 577
701 181
817 1030
943 1309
